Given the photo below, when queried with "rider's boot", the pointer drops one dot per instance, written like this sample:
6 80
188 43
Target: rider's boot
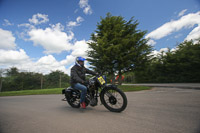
83 105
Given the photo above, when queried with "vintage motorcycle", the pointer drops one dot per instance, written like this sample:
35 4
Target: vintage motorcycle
111 97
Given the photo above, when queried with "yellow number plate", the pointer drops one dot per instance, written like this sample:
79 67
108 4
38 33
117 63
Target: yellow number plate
101 80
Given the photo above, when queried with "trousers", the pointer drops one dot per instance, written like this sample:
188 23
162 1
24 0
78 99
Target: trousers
83 90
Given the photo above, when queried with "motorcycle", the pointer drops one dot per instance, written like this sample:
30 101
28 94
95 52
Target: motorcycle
111 97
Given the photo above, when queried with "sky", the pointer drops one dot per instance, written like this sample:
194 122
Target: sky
47 35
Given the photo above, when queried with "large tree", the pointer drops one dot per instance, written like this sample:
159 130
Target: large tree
117 45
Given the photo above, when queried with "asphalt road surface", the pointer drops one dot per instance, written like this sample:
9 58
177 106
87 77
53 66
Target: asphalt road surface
160 110
171 85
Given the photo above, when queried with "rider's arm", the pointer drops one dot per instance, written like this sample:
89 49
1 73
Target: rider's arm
90 72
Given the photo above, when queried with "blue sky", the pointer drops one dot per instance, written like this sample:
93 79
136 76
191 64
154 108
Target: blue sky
47 35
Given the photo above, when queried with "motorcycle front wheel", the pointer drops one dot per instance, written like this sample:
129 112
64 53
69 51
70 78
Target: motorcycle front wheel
114 99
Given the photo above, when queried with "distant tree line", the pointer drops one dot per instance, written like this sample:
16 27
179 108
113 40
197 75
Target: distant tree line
179 66
12 80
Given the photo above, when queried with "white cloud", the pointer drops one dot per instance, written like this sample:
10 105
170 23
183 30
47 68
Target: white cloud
182 12
35 20
46 60
156 53
78 49
151 42
87 10
72 24
7 23
194 34
86 7
68 60
187 21
13 57
39 19
27 25
19 59
174 49
44 65
69 69
52 39
177 36
76 11
47 64
7 40
79 19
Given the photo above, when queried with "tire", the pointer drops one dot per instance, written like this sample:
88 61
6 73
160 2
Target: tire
112 101
74 102
73 97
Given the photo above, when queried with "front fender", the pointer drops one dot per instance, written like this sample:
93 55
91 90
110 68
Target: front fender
109 86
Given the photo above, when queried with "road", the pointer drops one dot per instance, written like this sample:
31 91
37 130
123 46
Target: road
160 110
172 85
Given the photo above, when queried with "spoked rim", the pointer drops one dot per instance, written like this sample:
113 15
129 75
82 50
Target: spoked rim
114 99
75 101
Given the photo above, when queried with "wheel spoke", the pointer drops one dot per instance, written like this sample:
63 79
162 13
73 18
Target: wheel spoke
115 96
107 101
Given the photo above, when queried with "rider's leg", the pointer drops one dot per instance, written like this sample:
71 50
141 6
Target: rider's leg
83 89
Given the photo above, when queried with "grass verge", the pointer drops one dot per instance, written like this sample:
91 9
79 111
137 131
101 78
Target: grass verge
125 88
128 88
32 92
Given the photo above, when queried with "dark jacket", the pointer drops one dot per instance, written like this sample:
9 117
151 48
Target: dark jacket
78 74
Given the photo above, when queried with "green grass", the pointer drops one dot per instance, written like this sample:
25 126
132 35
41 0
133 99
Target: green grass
32 92
125 88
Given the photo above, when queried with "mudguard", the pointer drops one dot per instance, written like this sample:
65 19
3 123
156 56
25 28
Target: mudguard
70 91
66 89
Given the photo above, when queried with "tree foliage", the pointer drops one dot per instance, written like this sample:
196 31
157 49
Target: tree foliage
117 45
181 65
16 80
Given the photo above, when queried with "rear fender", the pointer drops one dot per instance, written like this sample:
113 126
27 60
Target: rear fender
70 91
66 89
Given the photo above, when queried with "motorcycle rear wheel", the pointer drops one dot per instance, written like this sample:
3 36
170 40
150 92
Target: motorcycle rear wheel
74 102
114 99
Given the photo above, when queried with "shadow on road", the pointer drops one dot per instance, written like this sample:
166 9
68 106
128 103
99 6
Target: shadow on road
88 109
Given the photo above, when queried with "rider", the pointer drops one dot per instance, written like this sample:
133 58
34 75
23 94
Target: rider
78 80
